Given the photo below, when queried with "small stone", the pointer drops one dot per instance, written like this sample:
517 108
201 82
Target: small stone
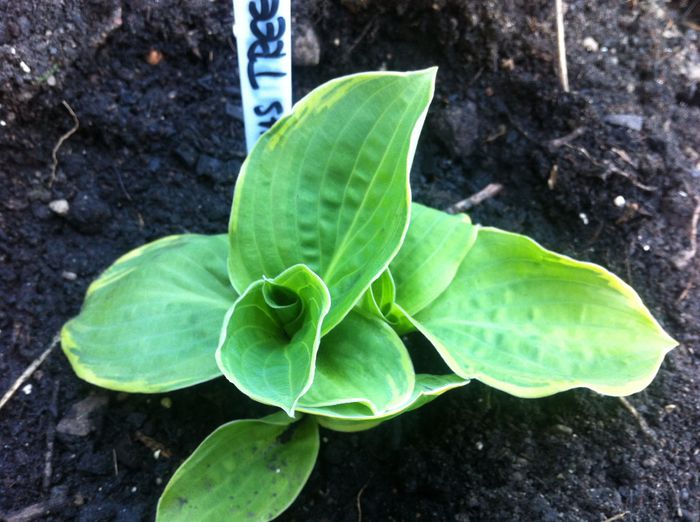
634 122
82 416
649 463
563 428
25 68
590 45
479 445
619 201
154 57
60 207
69 276
27 389
584 218
166 402
508 64
305 45
51 81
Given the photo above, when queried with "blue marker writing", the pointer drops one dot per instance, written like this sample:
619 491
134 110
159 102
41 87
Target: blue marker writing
263 39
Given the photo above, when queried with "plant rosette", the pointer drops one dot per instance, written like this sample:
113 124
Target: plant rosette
325 266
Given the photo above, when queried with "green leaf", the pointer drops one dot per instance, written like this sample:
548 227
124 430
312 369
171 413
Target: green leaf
532 323
380 296
150 323
327 185
434 248
271 336
363 362
427 388
379 301
245 470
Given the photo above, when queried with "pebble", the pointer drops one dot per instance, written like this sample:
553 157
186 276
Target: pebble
69 276
631 121
619 201
60 207
154 57
27 389
590 45
563 428
25 68
306 46
81 419
51 81
649 463
166 402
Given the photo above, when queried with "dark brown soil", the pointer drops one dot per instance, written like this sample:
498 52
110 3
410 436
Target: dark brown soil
158 150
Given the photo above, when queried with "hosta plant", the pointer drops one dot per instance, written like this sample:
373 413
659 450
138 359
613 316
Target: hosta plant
303 304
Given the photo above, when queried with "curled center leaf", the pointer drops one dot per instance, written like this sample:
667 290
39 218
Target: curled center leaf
286 305
271 335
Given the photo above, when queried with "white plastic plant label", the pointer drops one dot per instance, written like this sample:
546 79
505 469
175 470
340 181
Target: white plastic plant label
263 39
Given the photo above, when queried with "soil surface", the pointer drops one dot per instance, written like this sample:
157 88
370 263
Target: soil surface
159 144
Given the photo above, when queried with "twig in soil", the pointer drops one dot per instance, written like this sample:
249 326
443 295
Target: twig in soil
501 131
640 420
58 499
360 37
619 516
553 174
683 259
638 184
29 371
121 184
684 293
676 498
358 501
114 461
59 143
561 46
610 169
155 446
558 142
523 131
474 78
487 192
50 437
